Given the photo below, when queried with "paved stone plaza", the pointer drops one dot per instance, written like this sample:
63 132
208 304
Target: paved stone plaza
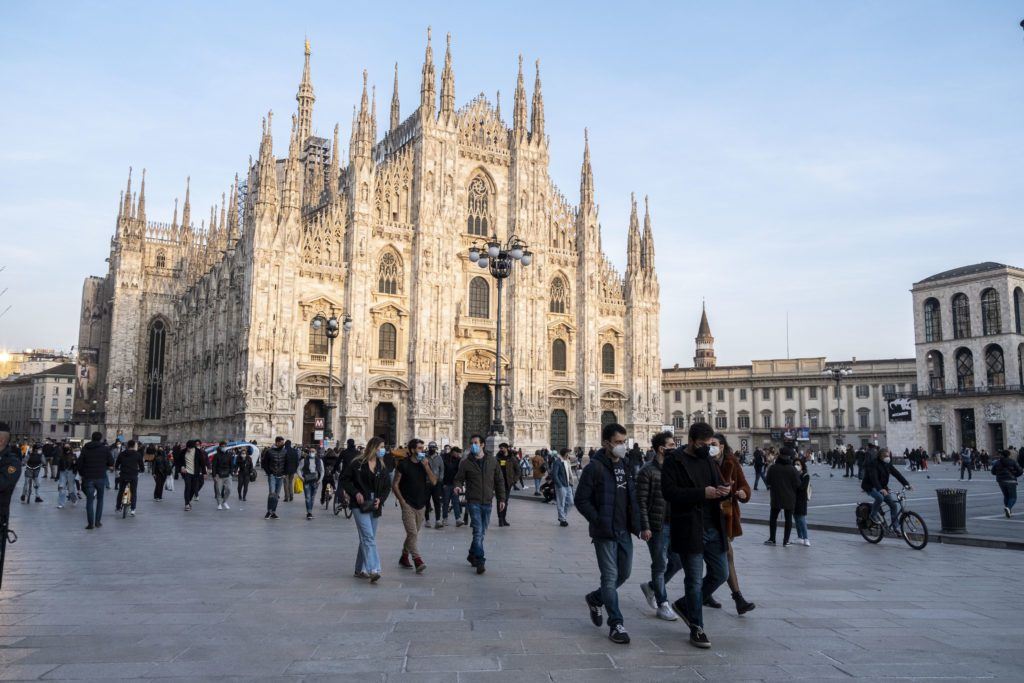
216 595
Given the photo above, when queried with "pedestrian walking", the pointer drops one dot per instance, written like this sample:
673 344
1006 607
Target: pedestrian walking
693 487
412 483
274 462
782 480
481 479
311 468
1007 471
449 498
513 473
222 467
654 519
129 465
563 478
538 465
758 467
367 483
67 468
161 469
436 461
607 498
803 493
731 471
291 467
192 466
966 463
245 470
93 464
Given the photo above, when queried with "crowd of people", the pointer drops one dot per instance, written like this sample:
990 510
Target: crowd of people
682 500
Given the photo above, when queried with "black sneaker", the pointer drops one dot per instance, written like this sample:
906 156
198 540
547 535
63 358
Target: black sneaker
480 568
769 542
698 638
709 601
563 523
273 515
266 516
471 559
596 615
98 525
309 515
680 608
90 527
618 634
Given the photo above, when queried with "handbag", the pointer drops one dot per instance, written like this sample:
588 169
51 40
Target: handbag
252 476
297 486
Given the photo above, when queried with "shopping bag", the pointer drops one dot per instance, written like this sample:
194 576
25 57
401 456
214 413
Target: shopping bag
297 487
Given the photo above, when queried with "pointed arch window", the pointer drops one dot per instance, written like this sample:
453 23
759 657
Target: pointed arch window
991 321
155 371
559 296
964 369
961 317
479 298
389 276
932 321
161 259
608 359
479 208
558 359
387 342
995 366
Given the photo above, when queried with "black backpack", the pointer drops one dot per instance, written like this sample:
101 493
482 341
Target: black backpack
35 458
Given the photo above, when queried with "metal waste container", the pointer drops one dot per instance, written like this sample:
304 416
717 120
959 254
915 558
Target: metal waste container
953 510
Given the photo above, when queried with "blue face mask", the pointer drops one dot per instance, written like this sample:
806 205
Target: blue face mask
380 452
474 448
420 455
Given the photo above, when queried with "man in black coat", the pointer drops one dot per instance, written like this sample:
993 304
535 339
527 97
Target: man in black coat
93 463
290 468
782 480
876 484
606 497
758 467
692 485
129 465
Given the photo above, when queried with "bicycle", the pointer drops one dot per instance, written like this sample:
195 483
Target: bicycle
126 500
342 504
911 528
31 481
328 493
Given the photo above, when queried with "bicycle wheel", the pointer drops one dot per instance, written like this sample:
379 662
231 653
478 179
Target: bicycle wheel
337 504
914 530
871 531
348 512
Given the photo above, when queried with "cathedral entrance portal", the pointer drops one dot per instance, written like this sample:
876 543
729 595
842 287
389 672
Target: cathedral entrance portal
385 422
476 411
607 418
559 430
314 410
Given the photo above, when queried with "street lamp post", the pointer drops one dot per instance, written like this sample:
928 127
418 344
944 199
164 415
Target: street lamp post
121 389
499 259
837 373
332 327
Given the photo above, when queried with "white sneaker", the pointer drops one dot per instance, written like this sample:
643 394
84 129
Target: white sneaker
220 506
652 599
666 612
807 542
61 507
131 513
226 506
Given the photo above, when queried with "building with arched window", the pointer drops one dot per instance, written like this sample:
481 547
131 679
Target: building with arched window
970 365
208 318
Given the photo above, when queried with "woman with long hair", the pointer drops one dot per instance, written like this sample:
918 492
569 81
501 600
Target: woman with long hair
367 482
732 474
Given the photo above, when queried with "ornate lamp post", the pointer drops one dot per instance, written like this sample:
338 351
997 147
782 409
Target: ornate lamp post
121 389
332 327
499 259
837 373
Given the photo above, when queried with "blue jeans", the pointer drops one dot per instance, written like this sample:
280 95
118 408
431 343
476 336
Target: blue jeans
759 476
274 484
536 485
614 560
564 499
66 487
1009 489
479 518
664 563
879 499
451 502
309 491
367 559
716 557
801 526
94 499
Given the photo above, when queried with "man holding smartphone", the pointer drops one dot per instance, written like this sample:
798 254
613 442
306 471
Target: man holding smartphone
692 485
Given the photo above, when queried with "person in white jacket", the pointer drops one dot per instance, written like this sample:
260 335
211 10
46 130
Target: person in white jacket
311 469
564 479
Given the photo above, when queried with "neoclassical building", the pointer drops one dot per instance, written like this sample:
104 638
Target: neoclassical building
208 331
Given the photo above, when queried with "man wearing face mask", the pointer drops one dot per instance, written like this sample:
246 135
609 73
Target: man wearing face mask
692 486
412 484
606 497
482 480
876 485
434 499
450 499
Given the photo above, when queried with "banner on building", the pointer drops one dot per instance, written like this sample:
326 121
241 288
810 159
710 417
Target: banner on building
899 410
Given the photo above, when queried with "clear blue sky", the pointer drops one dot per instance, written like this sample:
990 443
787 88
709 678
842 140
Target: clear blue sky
815 157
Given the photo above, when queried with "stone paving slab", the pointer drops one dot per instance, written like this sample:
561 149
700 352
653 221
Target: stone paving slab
211 595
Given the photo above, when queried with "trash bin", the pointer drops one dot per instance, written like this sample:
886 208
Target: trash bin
953 510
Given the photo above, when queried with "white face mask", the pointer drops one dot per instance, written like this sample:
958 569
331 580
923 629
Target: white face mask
619 451
886 460
713 451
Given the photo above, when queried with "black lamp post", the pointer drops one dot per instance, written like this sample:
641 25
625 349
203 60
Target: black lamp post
332 328
499 259
121 388
837 373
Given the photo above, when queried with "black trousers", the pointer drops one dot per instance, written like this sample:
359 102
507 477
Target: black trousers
158 492
434 501
133 484
243 486
193 482
849 470
773 523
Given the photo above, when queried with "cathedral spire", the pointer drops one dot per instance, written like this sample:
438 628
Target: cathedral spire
634 261
586 176
647 255
519 106
291 196
705 356
448 82
141 207
429 82
267 175
224 232
127 199
537 117
497 105
362 135
233 212
332 174
373 115
305 98
396 115
186 211
174 221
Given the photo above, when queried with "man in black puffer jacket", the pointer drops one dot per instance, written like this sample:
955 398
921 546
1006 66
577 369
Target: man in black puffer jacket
129 465
654 519
275 464
222 466
93 464
876 484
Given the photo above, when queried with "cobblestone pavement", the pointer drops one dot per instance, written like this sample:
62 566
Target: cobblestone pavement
220 595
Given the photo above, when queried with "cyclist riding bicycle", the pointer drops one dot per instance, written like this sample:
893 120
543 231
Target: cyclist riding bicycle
33 466
876 485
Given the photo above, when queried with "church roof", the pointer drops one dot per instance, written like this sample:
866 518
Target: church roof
967 270
704 330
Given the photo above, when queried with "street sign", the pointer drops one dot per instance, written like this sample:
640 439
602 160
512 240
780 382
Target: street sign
318 423
318 435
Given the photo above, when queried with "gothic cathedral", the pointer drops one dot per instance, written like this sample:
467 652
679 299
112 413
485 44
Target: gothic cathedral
216 331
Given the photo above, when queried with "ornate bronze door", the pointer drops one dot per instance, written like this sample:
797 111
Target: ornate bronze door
312 411
385 422
476 411
559 430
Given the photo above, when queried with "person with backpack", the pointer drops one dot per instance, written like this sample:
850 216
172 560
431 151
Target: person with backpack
161 468
245 470
1006 472
311 467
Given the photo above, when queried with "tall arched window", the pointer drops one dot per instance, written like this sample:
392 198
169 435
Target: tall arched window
161 259
479 298
932 321
995 366
478 207
559 296
558 356
964 369
991 321
936 372
155 371
1018 309
961 317
318 337
608 359
389 277
387 342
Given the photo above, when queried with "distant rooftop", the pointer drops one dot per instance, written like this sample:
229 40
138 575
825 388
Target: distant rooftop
967 270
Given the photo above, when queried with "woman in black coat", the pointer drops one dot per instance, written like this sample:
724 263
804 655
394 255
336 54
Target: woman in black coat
800 510
783 480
